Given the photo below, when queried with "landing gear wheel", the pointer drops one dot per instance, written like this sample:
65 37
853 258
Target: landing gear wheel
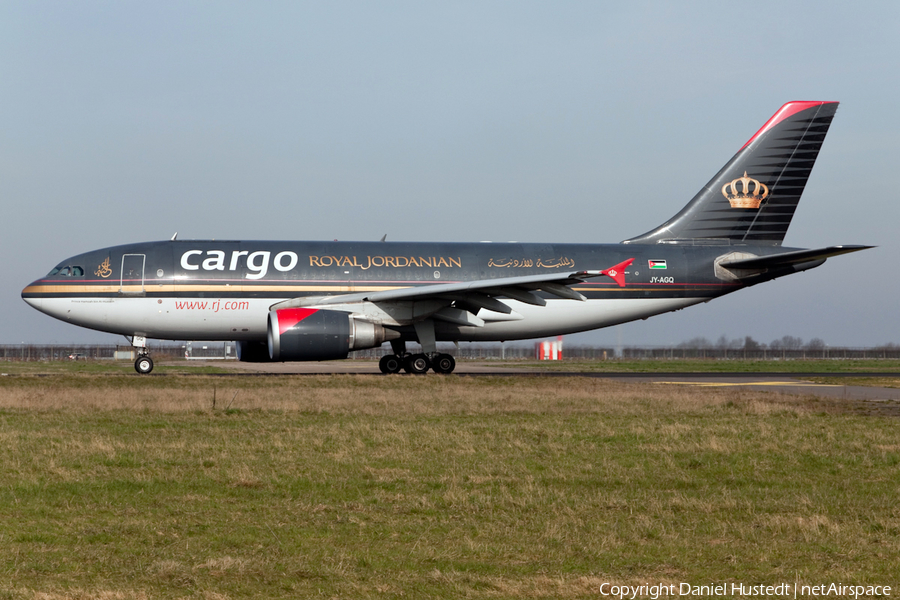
390 364
443 363
143 364
417 364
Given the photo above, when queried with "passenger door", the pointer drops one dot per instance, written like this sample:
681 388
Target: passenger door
131 282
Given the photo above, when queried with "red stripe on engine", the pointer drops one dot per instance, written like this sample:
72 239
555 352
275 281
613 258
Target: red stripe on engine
288 317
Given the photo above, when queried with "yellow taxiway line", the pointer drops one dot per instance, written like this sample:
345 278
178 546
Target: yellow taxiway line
760 383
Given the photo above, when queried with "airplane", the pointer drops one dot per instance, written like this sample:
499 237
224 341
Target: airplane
315 300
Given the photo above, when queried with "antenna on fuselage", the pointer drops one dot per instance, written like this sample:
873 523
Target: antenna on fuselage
174 236
384 237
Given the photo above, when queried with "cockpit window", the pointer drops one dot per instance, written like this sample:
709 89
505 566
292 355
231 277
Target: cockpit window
68 271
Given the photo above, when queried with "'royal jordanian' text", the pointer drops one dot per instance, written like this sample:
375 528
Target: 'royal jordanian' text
257 263
398 262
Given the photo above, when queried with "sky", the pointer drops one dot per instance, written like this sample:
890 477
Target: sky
585 122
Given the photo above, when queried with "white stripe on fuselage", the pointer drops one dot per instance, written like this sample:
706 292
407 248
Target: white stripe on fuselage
246 318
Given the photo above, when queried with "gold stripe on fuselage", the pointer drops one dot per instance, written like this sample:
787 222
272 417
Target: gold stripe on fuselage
155 288
232 288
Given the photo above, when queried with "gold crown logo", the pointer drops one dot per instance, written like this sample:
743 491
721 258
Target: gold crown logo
740 195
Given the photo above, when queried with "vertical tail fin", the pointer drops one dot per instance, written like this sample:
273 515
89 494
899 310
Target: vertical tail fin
752 199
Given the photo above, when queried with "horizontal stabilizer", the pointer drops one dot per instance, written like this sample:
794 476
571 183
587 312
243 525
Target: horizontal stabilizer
785 259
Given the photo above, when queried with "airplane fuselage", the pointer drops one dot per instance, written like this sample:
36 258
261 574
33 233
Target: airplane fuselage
224 290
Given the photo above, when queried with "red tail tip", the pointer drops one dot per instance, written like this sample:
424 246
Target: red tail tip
788 110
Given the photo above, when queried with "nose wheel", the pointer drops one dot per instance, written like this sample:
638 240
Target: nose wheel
143 364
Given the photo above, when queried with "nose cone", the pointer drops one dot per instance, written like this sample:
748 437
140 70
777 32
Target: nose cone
32 297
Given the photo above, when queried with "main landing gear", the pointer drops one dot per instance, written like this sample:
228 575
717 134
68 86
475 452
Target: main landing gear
417 364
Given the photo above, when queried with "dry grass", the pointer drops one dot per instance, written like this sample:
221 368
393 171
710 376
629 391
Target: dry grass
374 395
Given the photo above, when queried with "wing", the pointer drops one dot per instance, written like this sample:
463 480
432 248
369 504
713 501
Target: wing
466 298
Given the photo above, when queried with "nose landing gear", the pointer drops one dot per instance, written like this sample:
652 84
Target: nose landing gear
144 364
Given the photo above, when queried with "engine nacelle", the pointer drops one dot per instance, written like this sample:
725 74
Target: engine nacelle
316 334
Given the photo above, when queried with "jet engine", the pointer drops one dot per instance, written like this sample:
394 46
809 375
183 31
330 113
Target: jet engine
316 334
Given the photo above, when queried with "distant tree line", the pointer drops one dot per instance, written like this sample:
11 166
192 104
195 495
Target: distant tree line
787 342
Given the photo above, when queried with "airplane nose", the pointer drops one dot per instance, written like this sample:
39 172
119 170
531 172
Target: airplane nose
29 296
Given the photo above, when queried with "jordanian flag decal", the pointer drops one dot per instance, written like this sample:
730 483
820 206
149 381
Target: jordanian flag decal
657 264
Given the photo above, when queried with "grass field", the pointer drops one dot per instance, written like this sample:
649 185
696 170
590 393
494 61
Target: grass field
118 486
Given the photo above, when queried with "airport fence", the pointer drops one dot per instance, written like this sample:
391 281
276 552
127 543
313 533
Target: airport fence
842 353
470 351
37 352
